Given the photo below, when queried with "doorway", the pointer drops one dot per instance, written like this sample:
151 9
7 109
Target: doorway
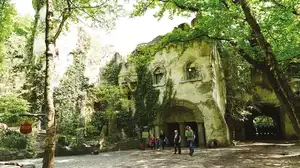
170 132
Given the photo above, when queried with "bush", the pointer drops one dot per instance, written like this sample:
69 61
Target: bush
126 121
10 107
15 140
98 120
63 140
79 135
92 131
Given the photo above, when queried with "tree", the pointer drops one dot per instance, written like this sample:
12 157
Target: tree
70 93
7 14
262 32
11 79
99 13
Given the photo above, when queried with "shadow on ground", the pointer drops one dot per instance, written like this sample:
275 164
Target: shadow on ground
244 155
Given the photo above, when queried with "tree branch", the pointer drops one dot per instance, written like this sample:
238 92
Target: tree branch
85 12
65 15
87 7
263 43
180 6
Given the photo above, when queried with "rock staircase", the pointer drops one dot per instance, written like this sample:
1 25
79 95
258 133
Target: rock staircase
40 141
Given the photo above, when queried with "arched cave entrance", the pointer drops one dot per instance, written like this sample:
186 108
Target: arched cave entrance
177 118
265 123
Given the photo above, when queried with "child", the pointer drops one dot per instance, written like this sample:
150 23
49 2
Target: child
157 143
152 142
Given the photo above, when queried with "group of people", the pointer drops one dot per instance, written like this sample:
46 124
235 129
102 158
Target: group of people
161 141
190 137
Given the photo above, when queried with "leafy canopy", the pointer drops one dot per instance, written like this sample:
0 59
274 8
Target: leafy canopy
224 19
7 15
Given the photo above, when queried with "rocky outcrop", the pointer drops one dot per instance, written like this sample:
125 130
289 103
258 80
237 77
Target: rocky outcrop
11 154
3 127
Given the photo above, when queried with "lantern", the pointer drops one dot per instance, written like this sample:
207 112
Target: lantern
26 127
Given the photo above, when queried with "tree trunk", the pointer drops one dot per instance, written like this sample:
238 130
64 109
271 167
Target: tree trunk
48 161
277 80
287 103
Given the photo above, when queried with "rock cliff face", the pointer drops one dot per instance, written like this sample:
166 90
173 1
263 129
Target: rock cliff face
199 91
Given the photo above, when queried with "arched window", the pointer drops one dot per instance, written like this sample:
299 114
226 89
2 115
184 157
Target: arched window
158 76
191 71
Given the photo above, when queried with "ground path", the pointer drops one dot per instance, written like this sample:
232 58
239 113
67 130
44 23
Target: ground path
253 155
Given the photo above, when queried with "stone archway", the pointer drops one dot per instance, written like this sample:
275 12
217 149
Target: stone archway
179 114
269 133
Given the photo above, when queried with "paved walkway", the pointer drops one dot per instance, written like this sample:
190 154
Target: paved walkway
257 155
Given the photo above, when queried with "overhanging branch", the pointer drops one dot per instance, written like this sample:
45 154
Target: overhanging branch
88 7
180 6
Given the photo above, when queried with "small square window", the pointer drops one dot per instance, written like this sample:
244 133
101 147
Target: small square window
191 71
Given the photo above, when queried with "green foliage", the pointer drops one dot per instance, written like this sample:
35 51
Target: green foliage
238 83
146 97
66 140
126 121
116 102
225 20
92 131
10 107
7 14
263 121
15 140
111 72
98 120
70 94
96 13
34 86
115 99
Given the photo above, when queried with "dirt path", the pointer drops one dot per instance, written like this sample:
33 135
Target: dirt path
253 155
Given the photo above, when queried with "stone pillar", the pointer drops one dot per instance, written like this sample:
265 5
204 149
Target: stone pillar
182 134
201 134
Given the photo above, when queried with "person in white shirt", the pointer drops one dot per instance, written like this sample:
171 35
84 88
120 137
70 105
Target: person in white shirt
177 140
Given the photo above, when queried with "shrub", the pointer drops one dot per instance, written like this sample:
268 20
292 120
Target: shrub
15 140
98 120
126 121
63 140
92 131
10 107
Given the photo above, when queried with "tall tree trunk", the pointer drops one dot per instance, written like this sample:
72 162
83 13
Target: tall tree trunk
48 161
277 80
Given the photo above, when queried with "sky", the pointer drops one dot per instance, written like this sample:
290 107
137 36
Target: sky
128 32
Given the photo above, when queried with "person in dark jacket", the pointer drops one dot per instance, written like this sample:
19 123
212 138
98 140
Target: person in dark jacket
177 140
162 139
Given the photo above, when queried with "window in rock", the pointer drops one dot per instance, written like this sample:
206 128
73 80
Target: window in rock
191 71
158 76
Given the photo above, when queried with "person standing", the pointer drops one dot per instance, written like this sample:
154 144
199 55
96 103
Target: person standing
152 142
189 134
177 140
162 139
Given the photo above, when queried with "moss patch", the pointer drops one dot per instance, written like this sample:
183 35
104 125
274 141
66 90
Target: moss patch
205 87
